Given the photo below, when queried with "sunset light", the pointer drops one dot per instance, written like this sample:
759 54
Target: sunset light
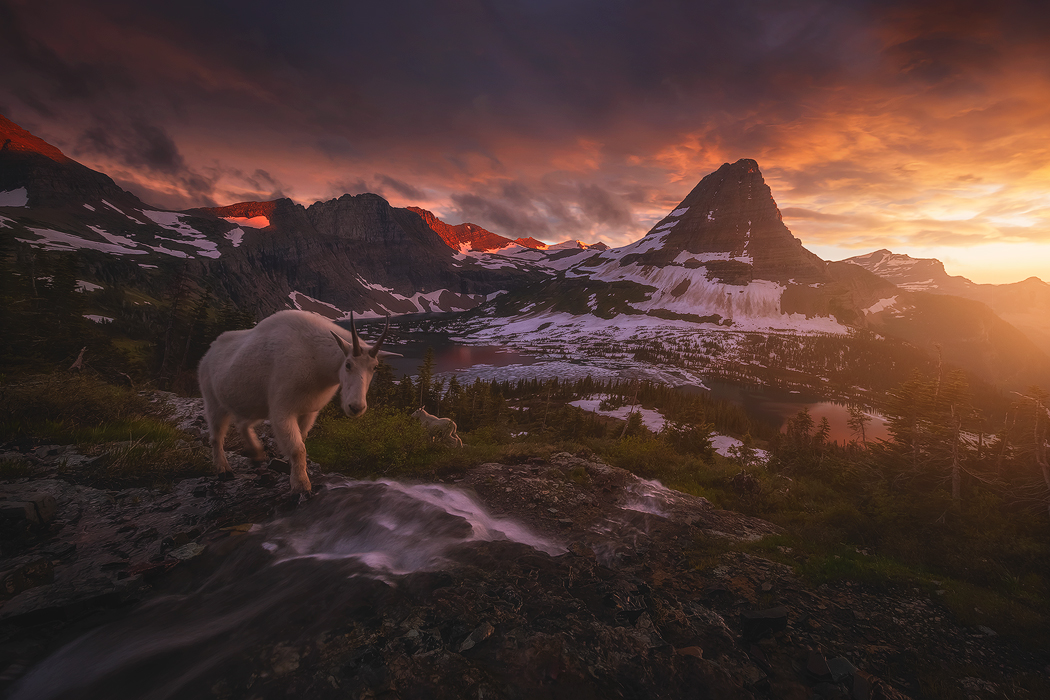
903 126
524 349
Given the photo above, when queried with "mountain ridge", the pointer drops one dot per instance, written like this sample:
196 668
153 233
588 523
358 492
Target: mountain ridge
721 260
1024 304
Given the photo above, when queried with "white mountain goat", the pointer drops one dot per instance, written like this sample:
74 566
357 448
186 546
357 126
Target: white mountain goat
286 369
438 427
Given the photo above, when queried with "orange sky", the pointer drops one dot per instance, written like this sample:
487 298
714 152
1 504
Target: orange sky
918 127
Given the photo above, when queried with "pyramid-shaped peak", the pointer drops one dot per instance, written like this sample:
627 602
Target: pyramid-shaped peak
734 188
731 214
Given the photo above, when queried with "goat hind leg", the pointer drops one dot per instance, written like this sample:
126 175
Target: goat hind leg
253 449
218 424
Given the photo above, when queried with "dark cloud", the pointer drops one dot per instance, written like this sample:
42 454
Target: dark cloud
337 188
136 145
139 146
539 118
603 207
551 209
402 188
499 217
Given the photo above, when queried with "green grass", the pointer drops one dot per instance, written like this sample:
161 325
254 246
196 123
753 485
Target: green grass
128 433
153 463
14 469
65 408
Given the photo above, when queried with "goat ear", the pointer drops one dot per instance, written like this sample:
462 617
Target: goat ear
342 344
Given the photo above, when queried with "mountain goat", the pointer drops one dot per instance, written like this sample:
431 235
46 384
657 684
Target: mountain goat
286 369
438 427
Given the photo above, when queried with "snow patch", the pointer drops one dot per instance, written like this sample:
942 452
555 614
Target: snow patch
6 223
14 198
679 211
723 444
650 418
89 207
85 286
59 240
236 236
880 305
124 213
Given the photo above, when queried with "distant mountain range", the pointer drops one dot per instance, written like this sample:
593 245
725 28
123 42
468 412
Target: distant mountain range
721 261
1024 305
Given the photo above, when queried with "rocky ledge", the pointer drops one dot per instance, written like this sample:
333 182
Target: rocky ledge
585 581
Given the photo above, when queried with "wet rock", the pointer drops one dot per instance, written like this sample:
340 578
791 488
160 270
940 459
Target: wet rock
816 666
186 551
758 623
480 634
863 686
25 574
285 660
280 466
840 669
641 604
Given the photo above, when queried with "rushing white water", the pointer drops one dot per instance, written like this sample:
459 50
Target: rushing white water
340 551
392 528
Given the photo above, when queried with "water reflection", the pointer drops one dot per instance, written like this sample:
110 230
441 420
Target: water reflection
776 406
449 356
767 404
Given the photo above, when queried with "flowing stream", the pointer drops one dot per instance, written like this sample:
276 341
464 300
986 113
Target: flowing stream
343 553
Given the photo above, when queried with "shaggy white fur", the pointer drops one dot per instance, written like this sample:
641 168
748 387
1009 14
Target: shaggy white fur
286 369
438 427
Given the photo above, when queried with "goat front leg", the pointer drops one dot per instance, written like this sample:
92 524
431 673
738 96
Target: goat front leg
290 440
306 422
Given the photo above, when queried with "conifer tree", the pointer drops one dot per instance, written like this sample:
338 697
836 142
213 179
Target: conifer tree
857 423
426 376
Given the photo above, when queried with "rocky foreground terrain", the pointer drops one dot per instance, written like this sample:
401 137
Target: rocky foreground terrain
548 579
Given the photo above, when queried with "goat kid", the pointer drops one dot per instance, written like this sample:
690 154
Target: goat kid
286 369
438 427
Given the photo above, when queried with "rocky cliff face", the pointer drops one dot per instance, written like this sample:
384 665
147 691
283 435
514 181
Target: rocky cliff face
354 252
470 235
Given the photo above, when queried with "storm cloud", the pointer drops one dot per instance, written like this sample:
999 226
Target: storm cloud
556 120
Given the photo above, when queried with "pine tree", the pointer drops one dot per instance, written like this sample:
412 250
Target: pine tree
857 422
426 375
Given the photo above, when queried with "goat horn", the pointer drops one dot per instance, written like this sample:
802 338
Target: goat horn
353 333
379 343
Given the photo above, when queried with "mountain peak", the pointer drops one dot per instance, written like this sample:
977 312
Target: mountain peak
471 235
913 274
731 215
14 138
